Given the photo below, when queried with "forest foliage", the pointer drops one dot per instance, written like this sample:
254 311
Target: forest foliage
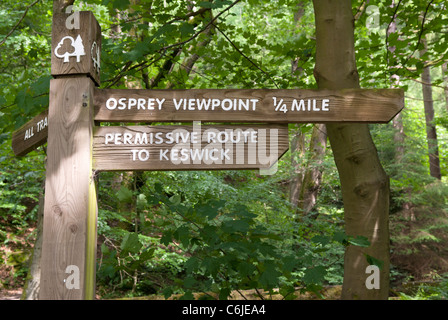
221 232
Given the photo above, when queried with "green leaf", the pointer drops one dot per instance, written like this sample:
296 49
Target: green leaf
210 235
165 29
42 85
187 296
124 195
207 211
141 201
269 278
232 226
340 237
246 269
206 4
189 282
224 293
192 264
104 249
289 263
146 255
175 200
121 4
142 49
186 29
166 238
211 265
315 275
182 234
373 261
287 291
321 239
130 243
168 292
359 241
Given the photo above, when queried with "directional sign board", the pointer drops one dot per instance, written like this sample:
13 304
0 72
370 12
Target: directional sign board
193 147
273 106
31 135
236 105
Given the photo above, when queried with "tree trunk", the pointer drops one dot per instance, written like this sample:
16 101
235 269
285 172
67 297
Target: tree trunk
59 6
298 140
305 183
313 174
365 185
187 64
397 122
297 155
431 133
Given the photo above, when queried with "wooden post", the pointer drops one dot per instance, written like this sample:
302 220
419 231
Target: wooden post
70 213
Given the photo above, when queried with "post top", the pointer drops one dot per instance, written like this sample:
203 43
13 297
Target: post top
76 45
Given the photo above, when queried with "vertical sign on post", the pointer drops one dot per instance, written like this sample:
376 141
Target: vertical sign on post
69 239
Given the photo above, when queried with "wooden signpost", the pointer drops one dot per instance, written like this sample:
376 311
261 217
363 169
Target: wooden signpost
77 148
194 147
31 135
257 105
69 231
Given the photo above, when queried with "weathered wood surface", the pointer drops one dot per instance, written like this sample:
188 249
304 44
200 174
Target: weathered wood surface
257 105
76 51
31 135
189 147
69 202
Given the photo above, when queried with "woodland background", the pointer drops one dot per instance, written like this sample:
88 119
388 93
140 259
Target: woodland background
225 232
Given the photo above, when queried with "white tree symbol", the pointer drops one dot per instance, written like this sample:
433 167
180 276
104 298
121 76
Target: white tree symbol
76 44
95 53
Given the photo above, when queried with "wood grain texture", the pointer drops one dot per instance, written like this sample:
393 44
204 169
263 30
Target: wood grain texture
270 144
351 105
31 135
90 38
67 188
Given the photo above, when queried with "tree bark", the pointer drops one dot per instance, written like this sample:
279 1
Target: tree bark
364 183
59 6
305 184
431 133
313 174
297 154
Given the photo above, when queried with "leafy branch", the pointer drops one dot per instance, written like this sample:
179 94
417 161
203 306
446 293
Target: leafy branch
163 51
245 56
18 23
203 28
